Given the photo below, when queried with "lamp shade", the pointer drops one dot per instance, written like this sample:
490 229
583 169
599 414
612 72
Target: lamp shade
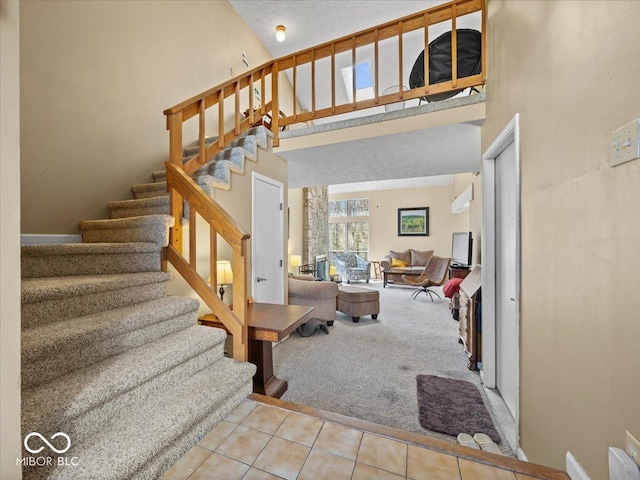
225 275
295 260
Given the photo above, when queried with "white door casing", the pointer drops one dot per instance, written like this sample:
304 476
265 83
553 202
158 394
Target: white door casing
267 235
503 296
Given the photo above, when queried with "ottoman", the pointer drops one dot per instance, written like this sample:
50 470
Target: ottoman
358 301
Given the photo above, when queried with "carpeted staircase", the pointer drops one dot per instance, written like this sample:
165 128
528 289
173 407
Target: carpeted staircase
107 357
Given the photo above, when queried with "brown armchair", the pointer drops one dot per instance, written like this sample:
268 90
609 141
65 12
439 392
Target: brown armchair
303 290
433 275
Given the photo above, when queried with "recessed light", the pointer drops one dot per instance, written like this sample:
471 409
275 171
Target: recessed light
281 33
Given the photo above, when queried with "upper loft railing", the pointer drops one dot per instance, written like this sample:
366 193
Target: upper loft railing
243 101
230 109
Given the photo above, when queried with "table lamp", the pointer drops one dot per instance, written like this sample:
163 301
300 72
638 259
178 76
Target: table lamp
225 275
295 261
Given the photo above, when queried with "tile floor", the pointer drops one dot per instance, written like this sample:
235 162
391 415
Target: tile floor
262 442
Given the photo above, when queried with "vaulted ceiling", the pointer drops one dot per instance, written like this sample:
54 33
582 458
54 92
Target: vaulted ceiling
431 151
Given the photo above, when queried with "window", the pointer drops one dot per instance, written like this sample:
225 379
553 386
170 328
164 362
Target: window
338 208
349 208
345 235
358 208
358 239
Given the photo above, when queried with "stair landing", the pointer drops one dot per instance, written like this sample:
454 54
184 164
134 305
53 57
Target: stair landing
266 438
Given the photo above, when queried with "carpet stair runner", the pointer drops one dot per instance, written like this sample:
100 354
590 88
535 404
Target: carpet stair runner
107 357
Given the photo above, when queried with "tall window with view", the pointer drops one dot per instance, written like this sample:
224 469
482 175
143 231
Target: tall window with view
349 227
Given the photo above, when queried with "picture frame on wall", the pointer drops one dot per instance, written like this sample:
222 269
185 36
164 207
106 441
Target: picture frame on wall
413 222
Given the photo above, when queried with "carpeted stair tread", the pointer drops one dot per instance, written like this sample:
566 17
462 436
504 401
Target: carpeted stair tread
172 452
89 258
51 288
49 351
55 404
149 190
159 176
145 228
124 449
53 299
88 248
139 207
194 148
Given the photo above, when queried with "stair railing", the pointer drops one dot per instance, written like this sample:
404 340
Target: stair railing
184 191
248 99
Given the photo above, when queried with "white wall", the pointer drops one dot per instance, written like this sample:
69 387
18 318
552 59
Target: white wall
295 222
571 69
10 436
96 77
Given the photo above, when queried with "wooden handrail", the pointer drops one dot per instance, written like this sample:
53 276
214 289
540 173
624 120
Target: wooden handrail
183 190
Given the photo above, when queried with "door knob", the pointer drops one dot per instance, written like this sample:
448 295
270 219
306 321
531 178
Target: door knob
260 279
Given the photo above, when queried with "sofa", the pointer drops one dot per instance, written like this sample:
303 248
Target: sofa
304 290
410 262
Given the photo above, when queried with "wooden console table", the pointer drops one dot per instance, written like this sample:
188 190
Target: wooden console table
459 272
470 298
267 323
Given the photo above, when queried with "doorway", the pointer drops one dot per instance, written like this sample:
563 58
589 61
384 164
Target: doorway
501 269
267 246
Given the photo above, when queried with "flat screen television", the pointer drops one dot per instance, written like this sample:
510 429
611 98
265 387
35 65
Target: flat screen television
461 245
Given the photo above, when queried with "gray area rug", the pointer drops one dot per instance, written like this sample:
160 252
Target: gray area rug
368 370
452 407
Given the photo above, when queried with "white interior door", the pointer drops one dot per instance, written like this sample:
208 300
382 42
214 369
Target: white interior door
501 270
506 275
267 240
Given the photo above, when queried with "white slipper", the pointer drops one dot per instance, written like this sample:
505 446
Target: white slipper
466 440
486 444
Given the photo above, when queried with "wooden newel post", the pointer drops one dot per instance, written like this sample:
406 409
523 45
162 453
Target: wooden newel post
239 267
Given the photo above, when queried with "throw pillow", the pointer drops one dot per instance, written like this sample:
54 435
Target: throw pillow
403 256
420 258
397 263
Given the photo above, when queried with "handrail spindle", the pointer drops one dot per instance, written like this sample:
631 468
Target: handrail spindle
376 81
400 78
426 53
353 71
454 48
213 257
313 82
221 119
192 238
275 107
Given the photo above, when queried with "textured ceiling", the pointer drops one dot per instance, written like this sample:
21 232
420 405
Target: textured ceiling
435 151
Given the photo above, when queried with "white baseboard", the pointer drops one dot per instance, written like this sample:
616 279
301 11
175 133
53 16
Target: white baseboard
522 456
48 239
574 469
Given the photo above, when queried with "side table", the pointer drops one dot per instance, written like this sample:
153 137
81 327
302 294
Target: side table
267 323
375 265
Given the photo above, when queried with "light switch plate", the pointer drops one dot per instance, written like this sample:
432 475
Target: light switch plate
625 144
633 448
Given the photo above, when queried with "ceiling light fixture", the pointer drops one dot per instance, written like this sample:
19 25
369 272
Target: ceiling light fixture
280 33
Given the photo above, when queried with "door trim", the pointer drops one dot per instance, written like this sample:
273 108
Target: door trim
510 134
254 177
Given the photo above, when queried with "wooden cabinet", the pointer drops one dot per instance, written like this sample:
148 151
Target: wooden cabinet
457 272
470 302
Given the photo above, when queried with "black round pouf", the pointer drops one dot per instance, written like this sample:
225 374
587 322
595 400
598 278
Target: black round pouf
469 53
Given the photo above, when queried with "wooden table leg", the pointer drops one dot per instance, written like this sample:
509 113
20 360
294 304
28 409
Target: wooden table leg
264 381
